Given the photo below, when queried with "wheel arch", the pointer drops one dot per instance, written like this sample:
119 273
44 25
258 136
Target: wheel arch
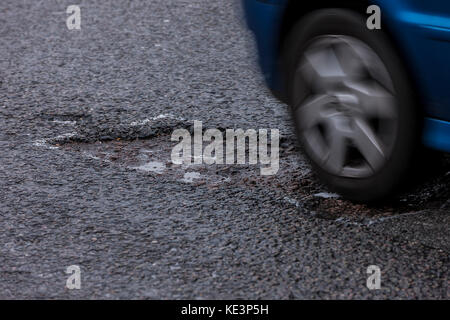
295 10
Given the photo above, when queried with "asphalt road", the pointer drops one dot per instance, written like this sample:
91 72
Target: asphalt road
82 111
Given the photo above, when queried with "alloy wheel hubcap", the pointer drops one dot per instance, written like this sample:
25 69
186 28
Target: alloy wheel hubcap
345 106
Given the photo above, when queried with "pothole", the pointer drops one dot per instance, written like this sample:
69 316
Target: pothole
146 147
153 156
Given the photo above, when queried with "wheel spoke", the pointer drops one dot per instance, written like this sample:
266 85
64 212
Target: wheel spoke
309 113
350 62
322 69
368 144
373 99
337 151
315 141
325 63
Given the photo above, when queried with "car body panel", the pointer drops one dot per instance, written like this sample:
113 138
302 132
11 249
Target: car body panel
264 19
437 134
421 30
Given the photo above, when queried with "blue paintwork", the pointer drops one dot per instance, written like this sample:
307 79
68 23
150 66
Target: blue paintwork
421 29
437 134
264 19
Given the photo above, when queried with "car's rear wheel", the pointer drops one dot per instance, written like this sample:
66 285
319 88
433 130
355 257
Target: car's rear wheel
352 104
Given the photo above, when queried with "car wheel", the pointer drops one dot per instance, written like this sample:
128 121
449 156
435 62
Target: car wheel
352 103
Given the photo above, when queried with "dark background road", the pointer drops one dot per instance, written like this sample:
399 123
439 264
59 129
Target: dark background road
82 112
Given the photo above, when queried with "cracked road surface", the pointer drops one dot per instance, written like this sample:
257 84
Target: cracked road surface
86 178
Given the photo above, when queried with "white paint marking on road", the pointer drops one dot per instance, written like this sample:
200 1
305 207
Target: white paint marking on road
152 166
189 177
45 142
63 136
161 116
347 221
91 156
370 222
327 195
401 215
72 123
292 201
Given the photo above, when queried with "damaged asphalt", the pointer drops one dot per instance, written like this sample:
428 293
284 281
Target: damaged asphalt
81 110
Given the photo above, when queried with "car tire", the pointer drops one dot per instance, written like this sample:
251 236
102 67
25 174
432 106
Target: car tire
354 107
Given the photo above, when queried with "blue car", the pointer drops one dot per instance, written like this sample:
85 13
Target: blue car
365 98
